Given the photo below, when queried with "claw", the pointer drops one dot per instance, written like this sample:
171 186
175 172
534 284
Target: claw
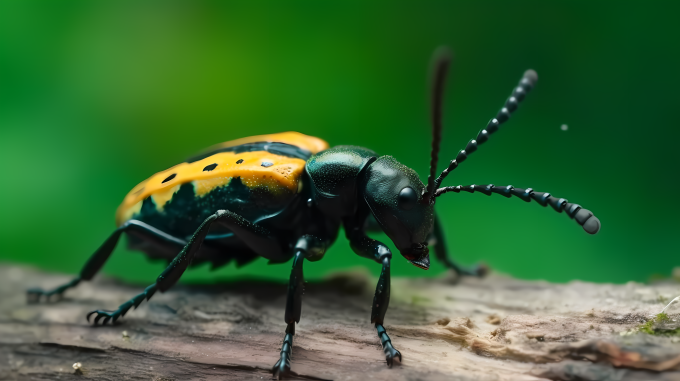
390 353
281 368
36 295
108 316
390 359
281 371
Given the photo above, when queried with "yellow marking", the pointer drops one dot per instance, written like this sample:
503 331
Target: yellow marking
306 142
203 187
282 176
123 215
162 197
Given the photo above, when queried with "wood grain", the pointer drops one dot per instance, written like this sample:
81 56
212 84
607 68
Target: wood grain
495 328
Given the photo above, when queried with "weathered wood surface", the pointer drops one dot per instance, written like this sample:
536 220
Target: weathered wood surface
491 329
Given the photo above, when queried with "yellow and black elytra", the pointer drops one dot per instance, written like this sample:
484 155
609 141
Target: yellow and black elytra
255 177
286 195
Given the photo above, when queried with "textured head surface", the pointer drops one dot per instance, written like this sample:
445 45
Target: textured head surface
400 211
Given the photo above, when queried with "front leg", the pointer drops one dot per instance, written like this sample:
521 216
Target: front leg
381 301
376 250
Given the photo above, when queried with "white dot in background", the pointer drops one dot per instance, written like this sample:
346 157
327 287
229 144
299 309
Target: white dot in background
564 127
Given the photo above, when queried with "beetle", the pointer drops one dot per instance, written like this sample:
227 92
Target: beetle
285 196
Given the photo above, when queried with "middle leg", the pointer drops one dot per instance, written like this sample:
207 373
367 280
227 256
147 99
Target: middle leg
310 248
381 301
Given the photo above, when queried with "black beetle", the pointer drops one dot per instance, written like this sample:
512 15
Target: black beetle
284 196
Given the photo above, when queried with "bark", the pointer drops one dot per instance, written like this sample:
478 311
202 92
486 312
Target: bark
495 328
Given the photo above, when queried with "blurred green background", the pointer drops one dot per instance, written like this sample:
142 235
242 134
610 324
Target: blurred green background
97 96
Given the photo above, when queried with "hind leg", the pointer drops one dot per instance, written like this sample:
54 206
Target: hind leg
254 236
97 260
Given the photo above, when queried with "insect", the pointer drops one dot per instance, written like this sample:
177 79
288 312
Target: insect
285 196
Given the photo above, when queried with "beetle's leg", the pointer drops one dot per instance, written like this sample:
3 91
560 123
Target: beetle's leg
97 260
123 308
437 240
372 225
381 301
282 366
253 235
376 250
310 248
292 316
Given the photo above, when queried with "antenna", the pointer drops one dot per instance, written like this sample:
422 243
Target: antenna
525 85
439 68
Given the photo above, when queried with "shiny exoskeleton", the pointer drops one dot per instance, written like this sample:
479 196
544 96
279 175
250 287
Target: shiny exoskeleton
286 196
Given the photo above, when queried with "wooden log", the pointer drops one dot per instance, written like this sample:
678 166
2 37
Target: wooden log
495 328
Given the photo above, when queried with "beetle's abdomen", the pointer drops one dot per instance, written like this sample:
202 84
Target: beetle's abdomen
252 178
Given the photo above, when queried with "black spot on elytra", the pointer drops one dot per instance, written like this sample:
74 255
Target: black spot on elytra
267 164
210 167
239 161
169 178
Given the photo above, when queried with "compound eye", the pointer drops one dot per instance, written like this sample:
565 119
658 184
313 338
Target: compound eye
407 198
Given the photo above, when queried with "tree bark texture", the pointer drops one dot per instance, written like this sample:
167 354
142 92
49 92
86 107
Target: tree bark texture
495 328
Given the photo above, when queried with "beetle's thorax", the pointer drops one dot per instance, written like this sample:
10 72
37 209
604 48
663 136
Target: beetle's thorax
335 175
344 178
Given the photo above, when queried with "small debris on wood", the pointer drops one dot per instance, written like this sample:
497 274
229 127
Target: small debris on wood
493 319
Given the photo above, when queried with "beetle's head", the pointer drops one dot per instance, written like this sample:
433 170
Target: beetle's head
394 192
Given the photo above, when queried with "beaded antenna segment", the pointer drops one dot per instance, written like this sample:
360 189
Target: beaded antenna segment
440 65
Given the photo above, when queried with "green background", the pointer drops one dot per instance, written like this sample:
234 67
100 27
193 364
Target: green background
96 96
